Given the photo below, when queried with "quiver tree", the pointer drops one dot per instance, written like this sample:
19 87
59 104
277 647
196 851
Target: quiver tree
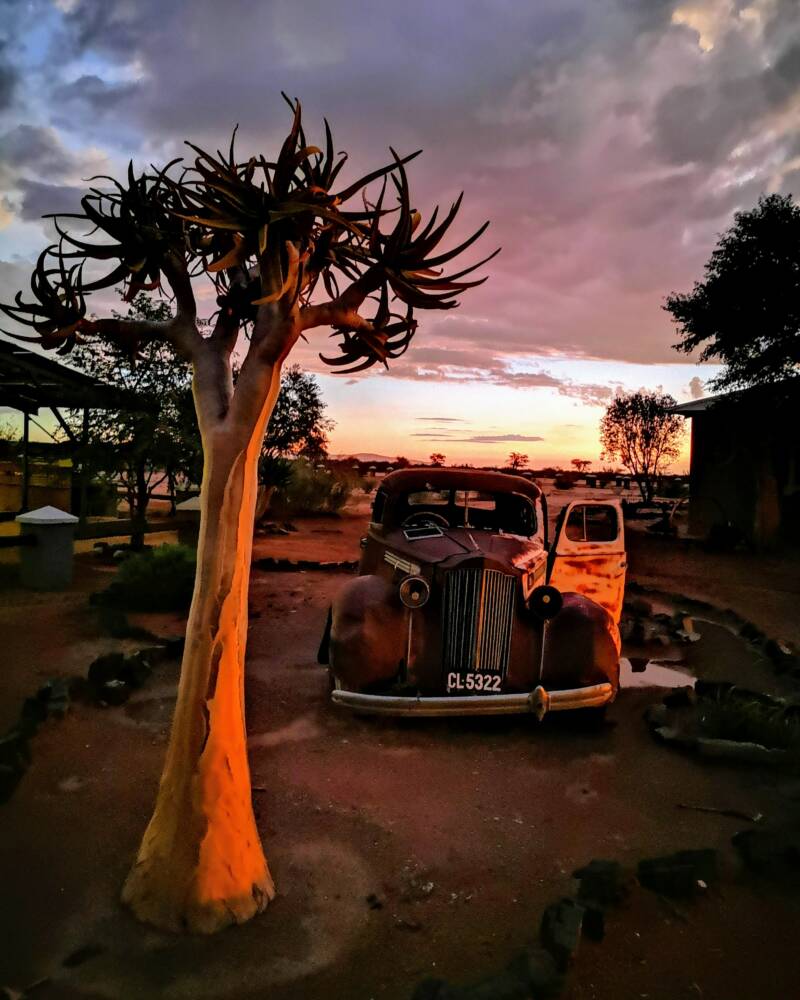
285 255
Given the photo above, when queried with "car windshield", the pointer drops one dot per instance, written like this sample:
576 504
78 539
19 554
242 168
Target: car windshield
477 510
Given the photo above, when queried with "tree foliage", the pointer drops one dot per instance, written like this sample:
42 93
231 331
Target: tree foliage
437 459
580 464
516 460
746 311
138 448
298 425
640 430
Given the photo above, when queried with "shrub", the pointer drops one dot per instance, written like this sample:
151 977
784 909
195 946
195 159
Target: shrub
732 716
312 491
159 579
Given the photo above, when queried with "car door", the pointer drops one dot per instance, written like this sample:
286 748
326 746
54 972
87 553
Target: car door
588 554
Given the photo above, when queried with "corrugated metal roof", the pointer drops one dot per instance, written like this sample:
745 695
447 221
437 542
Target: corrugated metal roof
29 381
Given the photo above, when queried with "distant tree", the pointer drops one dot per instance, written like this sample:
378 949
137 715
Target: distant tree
144 448
746 311
516 460
298 428
580 464
640 430
437 458
401 462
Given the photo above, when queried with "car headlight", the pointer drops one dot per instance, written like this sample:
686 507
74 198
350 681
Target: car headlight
545 601
415 591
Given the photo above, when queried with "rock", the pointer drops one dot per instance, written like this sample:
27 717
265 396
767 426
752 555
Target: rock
506 985
136 669
107 667
681 697
114 692
640 607
782 655
81 955
656 716
751 632
675 737
15 756
774 852
56 694
638 663
594 923
601 882
542 974
712 689
560 931
373 902
679 875
744 753
34 712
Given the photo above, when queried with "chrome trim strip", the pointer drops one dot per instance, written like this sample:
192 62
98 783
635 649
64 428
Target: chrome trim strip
537 702
400 563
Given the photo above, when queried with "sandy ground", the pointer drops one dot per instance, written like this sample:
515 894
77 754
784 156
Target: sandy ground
459 832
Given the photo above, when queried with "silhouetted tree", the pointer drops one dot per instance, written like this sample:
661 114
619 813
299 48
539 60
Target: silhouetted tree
640 430
284 256
580 464
746 311
139 448
437 458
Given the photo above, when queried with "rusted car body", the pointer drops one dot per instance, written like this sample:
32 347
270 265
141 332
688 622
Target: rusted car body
463 605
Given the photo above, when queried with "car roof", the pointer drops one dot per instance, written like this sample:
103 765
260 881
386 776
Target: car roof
409 480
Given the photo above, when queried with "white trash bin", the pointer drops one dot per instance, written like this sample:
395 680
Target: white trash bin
46 564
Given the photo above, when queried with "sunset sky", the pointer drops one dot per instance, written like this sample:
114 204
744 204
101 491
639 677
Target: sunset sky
608 141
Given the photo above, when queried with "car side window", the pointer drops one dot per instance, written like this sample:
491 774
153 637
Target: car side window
592 523
378 506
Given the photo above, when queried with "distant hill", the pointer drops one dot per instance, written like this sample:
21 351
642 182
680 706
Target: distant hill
363 456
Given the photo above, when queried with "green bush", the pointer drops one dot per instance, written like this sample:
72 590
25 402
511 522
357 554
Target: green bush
160 579
749 720
309 490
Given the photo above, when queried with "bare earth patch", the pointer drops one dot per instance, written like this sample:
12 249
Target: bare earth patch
400 849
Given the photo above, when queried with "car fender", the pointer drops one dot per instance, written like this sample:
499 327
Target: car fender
367 633
581 646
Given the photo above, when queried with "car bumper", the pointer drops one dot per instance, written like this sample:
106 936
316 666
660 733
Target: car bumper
538 702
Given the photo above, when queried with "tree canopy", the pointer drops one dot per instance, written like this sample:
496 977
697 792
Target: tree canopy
746 310
140 448
640 430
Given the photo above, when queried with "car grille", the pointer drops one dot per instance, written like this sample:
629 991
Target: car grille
477 614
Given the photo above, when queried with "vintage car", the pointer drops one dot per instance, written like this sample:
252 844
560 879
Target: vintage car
464 606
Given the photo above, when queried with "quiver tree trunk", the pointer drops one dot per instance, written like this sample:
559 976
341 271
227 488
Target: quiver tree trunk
201 866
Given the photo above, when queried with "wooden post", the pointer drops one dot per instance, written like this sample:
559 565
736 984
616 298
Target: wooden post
83 501
25 464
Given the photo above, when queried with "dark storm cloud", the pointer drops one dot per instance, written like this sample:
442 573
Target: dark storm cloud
40 199
9 78
36 149
93 94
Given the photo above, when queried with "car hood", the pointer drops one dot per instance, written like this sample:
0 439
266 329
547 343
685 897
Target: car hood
514 552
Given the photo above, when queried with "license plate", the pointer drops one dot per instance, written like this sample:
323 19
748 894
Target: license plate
473 683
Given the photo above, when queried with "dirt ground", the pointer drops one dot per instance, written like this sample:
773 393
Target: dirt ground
400 849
